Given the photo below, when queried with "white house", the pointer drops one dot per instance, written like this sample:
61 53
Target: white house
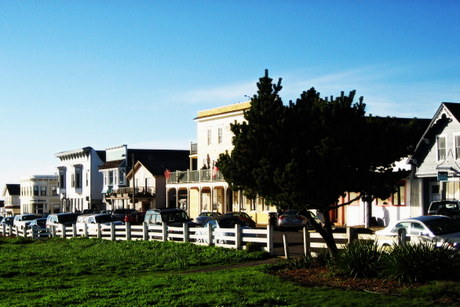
12 202
436 159
80 182
39 194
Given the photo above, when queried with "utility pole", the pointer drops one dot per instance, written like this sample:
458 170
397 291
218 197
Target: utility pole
134 182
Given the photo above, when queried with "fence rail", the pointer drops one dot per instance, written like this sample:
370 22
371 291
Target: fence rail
237 237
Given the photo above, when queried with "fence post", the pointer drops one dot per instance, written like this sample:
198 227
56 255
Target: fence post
99 231
270 243
112 231
286 247
238 236
4 229
306 242
209 234
64 232
11 230
350 235
85 230
145 232
74 230
185 232
53 231
128 231
164 231
402 236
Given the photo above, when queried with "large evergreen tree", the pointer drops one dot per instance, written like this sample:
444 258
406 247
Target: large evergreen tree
307 154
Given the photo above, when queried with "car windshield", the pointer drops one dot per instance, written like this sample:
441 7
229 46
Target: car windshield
67 218
41 223
443 226
28 217
103 218
179 216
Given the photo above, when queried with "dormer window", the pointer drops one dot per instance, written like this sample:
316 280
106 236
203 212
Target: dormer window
441 147
457 147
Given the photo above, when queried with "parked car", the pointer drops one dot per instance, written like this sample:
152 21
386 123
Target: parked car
244 217
92 220
220 226
205 216
445 207
7 220
292 219
64 218
438 229
170 216
296 220
38 226
135 218
22 220
119 214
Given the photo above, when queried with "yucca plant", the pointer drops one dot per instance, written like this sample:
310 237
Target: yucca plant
358 259
421 262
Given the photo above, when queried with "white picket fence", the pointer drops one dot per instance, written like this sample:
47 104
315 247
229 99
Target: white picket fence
232 237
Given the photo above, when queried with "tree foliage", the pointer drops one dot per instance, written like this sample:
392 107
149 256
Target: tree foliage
310 152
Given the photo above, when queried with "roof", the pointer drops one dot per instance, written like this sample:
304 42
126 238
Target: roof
225 109
13 189
157 161
111 164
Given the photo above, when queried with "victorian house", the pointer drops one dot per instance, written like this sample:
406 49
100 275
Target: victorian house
39 194
141 187
80 182
12 202
202 187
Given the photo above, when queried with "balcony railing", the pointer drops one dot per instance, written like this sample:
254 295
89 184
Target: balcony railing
128 191
204 175
193 148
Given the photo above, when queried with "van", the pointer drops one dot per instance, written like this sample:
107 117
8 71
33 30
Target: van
170 216
445 207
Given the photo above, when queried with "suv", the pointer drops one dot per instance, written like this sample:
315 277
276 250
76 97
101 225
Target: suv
21 221
170 216
65 218
119 214
445 207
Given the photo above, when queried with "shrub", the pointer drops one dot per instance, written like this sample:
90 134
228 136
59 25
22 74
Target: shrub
359 259
302 262
421 262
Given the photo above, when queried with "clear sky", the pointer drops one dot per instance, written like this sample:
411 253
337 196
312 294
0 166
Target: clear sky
106 73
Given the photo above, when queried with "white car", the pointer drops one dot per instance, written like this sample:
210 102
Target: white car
23 220
437 229
92 220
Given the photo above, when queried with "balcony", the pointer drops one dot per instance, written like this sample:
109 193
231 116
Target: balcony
204 175
126 192
193 148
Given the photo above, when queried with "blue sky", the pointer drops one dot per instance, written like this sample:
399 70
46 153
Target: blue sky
107 73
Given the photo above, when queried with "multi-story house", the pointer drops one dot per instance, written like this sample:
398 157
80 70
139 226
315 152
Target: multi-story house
436 160
80 182
12 202
141 187
39 194
202 187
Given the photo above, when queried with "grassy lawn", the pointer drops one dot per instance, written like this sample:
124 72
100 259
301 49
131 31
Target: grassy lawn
103 273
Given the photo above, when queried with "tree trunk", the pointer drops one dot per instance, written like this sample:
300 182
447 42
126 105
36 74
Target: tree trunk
326 232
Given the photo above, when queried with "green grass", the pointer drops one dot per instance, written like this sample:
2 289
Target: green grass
92 272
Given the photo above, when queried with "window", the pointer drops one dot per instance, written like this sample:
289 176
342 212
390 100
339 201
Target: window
121 176
36 190
219 135
43 191
441 146
77 178
54 191
209 136
110 178
457 147
61 178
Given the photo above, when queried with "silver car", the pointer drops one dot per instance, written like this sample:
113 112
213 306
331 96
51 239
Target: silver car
436 229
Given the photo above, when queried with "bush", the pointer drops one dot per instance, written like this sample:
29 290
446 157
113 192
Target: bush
358 259
420 263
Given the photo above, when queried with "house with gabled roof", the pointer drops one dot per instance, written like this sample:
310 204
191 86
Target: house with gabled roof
141 187
436 158
12 202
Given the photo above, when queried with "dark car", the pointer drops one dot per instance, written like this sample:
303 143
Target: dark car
445 207
170 216
135 218
119 214
205 216
64 218
7 220
244 217
38 226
